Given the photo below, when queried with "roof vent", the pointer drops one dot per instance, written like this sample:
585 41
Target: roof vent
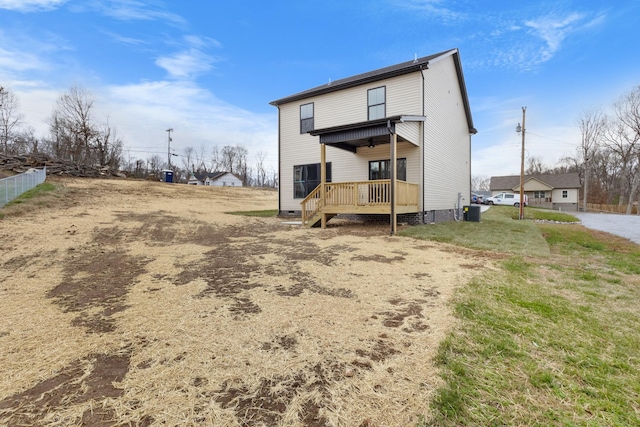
415 58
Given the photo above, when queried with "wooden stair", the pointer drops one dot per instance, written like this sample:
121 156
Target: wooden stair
316 220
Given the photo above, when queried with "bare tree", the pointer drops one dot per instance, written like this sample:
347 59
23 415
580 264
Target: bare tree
535 166
200 165
25 141
108 147
187 159
215 159
10 118
592 123
72 126
622 136
261 170
228 159
480 183
155 163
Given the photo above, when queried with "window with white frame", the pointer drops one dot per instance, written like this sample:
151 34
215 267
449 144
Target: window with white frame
306 117
565 194
376 102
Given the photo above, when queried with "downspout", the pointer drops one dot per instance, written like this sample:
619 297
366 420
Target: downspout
422 148
279 163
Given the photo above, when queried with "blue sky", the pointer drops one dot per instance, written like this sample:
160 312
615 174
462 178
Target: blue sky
208 69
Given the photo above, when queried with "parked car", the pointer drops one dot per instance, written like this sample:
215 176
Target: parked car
510 199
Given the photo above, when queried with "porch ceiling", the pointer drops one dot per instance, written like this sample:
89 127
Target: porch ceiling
374 132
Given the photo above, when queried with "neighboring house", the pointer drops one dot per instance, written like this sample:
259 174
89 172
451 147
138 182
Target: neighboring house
553 191
416 112
216 179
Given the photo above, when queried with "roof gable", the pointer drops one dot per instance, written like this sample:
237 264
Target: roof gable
417 65
557 180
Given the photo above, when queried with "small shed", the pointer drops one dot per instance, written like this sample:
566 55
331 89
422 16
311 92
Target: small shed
167 175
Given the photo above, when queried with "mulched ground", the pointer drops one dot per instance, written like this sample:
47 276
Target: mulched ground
153 309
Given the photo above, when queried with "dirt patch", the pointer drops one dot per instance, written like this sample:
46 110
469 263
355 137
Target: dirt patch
84 380
138 303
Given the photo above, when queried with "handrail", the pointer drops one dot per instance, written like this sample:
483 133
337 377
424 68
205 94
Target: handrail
358 193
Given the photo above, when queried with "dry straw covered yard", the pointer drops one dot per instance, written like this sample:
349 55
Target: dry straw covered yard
143 303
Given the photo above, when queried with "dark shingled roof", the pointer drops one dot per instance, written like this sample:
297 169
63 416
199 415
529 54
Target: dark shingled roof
556 180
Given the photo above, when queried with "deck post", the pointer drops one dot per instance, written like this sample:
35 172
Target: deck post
393 165
323 180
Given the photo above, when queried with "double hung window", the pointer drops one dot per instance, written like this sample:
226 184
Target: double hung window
376 102
306 118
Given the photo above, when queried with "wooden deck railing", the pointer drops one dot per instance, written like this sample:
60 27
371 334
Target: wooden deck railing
358 194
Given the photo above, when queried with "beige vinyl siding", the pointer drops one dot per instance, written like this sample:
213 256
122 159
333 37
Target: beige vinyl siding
447 140
572 195
409 131
532 185
403 95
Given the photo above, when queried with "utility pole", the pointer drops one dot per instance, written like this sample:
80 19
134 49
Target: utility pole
522 129
169 147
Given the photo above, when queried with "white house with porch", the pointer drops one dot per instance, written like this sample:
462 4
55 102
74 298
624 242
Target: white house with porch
394 142
553 191
215 179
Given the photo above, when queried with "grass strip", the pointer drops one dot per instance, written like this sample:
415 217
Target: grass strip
263 213
544 340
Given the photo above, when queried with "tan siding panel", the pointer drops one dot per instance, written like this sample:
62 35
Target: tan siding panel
409 131
447 140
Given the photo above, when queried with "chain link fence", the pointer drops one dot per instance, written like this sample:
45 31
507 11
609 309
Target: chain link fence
14 186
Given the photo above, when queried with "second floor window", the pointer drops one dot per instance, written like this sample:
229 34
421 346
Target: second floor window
376 101
306 117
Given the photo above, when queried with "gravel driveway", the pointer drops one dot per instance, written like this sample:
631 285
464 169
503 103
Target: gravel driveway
627 226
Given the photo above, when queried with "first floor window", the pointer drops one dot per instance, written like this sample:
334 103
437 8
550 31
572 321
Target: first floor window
379 169
306 178
565 194
539 194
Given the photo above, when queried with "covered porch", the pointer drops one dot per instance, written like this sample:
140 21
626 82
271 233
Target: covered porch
380 196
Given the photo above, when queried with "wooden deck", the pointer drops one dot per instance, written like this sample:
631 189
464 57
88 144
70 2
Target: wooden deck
360 197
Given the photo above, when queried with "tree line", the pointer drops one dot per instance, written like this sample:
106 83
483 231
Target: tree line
75 135
607 156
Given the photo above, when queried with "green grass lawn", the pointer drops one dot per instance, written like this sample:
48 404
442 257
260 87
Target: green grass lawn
36 195
551 337
263 213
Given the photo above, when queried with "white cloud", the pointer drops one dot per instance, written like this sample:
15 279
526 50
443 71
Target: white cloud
133 10
190 61
186 64
124 39
553 30
19 60
142 113
31 5
432 9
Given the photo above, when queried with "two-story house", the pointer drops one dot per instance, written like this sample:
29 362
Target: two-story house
394 142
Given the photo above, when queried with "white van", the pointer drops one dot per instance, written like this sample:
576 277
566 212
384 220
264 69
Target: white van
510 199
